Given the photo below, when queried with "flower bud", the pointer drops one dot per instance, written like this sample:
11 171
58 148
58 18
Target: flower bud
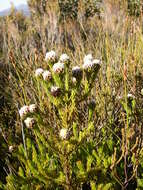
64 58
55 91
11 148
58 68
32 108
74 81
51 56
47 75
29 122
23 111
63 133
38 72
130 96
77 72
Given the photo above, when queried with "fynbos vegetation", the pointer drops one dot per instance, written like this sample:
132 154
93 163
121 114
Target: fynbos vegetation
71 96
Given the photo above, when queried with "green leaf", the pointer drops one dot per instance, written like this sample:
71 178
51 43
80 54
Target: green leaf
89 162
75 131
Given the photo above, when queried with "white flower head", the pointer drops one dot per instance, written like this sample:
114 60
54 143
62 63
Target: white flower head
58 67
10 148
29 122
47 75
55 91
23 111
96 61
51 56
32 108
38 72
88 64
141 91
64 58
76 69
130 96
88 57
63 133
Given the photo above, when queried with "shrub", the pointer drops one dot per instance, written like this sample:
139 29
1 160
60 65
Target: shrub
58 151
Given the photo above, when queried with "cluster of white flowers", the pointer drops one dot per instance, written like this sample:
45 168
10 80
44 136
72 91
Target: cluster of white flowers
89 62
58 67
64 58
44 73
32 108
29 122
39 72
47 75
27 109
23 111
51 56
63 133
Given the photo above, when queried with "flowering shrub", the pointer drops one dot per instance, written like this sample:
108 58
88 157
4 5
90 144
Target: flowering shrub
64 144
76 130
58 153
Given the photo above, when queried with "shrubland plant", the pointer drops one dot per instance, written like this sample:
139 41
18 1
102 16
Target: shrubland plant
59 114
58 151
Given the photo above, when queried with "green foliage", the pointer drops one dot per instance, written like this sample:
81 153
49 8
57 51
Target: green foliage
86 129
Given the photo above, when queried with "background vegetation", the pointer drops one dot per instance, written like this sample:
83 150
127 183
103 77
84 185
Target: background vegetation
110 155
